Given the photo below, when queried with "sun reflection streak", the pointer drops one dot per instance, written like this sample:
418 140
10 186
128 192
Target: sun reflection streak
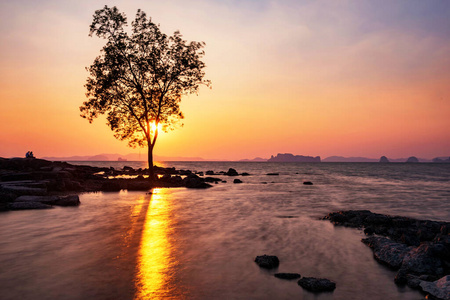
155 259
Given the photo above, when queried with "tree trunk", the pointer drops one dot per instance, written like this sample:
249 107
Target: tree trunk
150 163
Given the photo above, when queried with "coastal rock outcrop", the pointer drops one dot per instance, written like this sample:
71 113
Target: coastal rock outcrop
317 284
418 249
267 261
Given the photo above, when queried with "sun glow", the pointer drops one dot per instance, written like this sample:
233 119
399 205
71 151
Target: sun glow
155 261
154 127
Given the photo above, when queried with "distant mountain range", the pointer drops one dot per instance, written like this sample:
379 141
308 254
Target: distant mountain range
280 157
119 157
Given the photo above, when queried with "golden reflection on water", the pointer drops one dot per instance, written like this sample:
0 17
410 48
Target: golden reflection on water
155 260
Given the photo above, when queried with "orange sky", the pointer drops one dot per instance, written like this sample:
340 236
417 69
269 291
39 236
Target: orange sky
305 77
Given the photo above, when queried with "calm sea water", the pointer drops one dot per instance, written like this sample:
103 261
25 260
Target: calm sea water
200 244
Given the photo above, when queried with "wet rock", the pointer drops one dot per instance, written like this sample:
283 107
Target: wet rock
267 261
307 183
192 181
237 181
420 261
27 205
231 172
111 186
317 284
139 185
245 174
273 174
23 190
70 200
439 289
369 231
288 276
212 179
387 251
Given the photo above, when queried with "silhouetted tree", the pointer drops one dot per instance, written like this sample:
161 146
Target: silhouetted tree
139 78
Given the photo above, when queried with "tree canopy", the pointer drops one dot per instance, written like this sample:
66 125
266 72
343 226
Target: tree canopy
138 80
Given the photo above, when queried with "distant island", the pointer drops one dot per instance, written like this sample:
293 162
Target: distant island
288 157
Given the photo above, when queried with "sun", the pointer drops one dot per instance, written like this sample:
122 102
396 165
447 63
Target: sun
153 127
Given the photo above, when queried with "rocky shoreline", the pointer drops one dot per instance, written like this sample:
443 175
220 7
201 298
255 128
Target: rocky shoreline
419 250
31 183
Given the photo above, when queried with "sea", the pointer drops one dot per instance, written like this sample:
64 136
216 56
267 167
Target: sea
178 243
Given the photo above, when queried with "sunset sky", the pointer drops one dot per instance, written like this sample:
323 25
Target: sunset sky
308 77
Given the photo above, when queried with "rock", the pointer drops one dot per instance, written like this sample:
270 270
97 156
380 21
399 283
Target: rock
422 261
237 181
368 231
212 179
70 200
267 261
111 186
231 172
387 251
412 159
23 190
273 174
439 289
192 181
139 185
384 159
245 174
27 205
127 169
307 183
287 276
209 172
317 284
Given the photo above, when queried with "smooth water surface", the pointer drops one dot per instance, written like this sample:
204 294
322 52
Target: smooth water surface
201 244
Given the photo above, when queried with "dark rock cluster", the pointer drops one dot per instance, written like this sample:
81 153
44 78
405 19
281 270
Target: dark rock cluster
418 249
311 284
37 177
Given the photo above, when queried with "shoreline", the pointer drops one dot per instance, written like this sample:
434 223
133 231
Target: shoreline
419 250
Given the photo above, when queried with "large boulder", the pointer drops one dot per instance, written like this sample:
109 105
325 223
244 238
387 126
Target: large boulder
317 284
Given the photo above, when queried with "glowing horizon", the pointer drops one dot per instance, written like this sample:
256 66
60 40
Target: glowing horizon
311 78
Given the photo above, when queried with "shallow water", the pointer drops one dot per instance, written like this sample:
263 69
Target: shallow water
200 244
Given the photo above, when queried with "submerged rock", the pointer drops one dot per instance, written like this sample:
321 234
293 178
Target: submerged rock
267 261
287 276
317 284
